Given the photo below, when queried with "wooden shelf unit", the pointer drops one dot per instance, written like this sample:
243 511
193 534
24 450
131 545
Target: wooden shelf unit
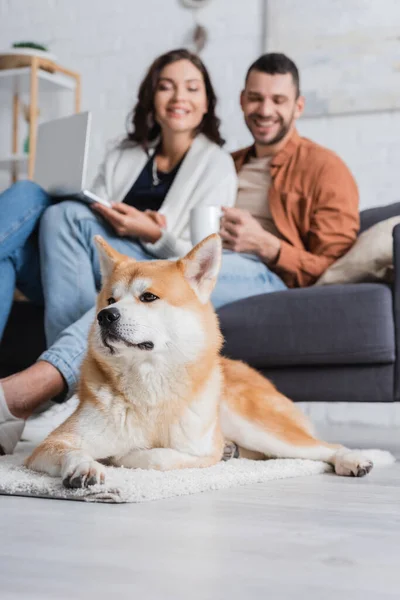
26 80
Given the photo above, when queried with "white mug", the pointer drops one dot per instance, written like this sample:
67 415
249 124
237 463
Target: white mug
204 220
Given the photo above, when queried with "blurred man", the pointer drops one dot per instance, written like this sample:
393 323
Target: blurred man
297 203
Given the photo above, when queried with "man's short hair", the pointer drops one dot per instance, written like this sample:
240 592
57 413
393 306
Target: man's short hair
275 63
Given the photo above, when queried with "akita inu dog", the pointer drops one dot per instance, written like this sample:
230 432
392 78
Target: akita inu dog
156 394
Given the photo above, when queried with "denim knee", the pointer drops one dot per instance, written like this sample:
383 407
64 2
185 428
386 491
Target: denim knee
27 186
28 194
66 212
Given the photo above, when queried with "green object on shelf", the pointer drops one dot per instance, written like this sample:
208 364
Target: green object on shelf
26 145
32 45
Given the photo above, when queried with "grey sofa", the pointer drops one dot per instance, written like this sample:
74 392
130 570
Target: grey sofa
333 343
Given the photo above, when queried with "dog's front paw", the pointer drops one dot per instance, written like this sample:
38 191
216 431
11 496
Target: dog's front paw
352 463
84 474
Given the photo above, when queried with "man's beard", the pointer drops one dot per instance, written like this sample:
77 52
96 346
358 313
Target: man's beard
284 128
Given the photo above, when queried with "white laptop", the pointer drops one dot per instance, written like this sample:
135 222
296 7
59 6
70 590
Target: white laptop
61 157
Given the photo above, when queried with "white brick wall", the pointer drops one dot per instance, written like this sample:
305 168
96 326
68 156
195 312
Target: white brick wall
370 146
112 43
355 46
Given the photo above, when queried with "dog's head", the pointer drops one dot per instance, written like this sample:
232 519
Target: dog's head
158 308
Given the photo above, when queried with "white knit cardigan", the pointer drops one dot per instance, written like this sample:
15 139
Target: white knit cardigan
206 176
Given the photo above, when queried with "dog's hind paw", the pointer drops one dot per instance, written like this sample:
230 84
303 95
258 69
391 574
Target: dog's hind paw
352 463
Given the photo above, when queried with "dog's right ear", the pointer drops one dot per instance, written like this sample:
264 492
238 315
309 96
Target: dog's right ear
108 257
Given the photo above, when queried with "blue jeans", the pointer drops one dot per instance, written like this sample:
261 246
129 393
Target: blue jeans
68 278
241 276
21 207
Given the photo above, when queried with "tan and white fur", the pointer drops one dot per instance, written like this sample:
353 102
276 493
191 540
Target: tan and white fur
154 391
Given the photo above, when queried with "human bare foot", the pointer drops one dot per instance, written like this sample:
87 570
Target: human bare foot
27 390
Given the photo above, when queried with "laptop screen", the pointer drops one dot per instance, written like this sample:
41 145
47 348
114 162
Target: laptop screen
61 154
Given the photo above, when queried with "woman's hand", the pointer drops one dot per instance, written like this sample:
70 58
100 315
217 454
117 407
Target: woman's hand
157 217
130 222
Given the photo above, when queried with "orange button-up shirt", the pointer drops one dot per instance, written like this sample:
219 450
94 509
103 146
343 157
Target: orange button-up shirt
314 203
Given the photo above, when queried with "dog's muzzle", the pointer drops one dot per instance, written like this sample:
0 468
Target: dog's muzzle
108 320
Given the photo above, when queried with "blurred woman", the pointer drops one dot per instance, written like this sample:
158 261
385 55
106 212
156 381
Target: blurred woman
170 162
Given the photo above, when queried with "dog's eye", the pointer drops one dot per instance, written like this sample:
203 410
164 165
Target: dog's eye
111 301
148 297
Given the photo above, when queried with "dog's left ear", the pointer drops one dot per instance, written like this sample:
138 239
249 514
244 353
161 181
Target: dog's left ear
201 266
108 257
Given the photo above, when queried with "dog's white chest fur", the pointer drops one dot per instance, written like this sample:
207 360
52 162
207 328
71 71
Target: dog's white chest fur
142 419
196 429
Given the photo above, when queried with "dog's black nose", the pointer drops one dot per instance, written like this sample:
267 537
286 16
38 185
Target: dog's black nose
108 316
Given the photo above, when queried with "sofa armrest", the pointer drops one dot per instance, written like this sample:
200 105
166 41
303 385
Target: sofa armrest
396 307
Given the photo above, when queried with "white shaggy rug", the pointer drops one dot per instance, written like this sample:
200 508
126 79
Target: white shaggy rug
137 485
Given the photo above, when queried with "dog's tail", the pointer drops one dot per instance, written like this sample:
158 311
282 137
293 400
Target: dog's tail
380 458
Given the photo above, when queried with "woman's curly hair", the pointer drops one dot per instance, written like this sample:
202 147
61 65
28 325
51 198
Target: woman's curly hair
143 128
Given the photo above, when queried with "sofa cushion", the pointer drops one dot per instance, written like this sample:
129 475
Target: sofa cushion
369 259
338 325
